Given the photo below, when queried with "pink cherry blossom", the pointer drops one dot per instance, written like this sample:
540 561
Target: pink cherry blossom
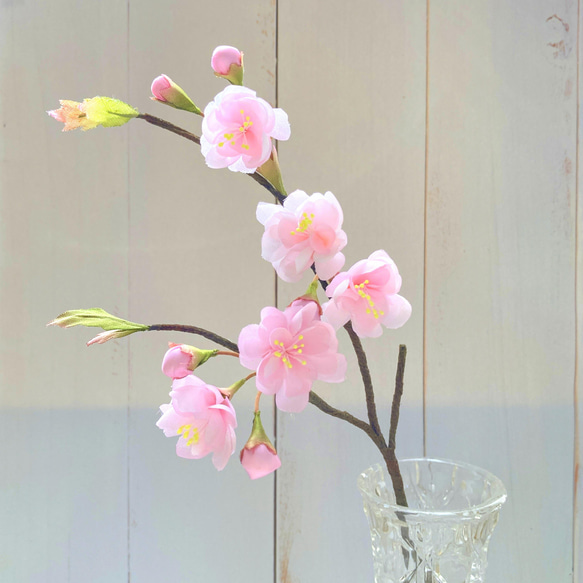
237 129
305 230
367 294
259 461
290 350
203 419
223 57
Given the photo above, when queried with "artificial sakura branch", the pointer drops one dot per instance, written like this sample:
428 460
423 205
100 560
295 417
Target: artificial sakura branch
290 349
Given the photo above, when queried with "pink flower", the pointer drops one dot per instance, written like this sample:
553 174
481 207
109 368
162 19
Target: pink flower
237 129
290 350
258 456
181 359
367 295
259 461
203 418
223 58
306 230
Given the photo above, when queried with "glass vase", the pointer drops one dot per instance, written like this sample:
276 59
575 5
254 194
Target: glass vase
443 535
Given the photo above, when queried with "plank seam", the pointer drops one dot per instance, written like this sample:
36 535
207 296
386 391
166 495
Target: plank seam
576 533
426 183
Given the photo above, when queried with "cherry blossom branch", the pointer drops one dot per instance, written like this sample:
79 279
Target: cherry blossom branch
196 330
344 415
366 379
166 125
227 353
396 406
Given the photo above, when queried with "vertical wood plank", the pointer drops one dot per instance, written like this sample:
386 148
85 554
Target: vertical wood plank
63 486
500 277
352 78
578 393
195 258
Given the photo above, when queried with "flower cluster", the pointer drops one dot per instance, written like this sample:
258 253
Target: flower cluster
289 349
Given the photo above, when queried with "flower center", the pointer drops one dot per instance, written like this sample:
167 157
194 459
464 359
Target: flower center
286 354
361 291
304 223
186 431
232 138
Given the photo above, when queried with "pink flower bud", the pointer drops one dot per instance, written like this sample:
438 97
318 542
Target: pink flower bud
160 87
166 91
258 456
180 360
222 59
259 461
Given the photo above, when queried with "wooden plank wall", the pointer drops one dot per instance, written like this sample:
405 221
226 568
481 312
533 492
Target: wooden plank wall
448 131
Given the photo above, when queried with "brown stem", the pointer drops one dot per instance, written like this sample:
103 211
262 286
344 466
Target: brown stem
196 330
345 416
161 123
366 379
397 396
166 125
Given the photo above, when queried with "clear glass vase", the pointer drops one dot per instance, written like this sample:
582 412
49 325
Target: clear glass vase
443 536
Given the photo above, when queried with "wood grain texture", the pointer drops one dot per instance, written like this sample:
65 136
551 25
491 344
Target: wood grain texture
63 483
195 259
352 79
500 275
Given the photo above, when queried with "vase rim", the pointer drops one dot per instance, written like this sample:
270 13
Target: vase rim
492 503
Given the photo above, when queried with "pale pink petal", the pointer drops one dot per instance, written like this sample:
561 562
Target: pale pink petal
291 404
270 375
334 315
251 347
221 456
328 267
282 129
259 461
398 311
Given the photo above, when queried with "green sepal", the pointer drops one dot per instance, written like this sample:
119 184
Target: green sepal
109 112
258 435
95 318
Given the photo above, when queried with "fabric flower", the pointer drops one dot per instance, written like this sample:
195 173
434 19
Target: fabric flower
367 294
181 359
227 62
237 129
290 350
164 90
202 418
259 461
305 230
258 456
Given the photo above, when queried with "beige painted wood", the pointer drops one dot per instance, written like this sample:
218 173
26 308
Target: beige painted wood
352 78
500 265
578 444
63 484
195 258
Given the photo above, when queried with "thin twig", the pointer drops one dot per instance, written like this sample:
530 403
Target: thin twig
344 415
366 379
196 330
161 123
397 396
